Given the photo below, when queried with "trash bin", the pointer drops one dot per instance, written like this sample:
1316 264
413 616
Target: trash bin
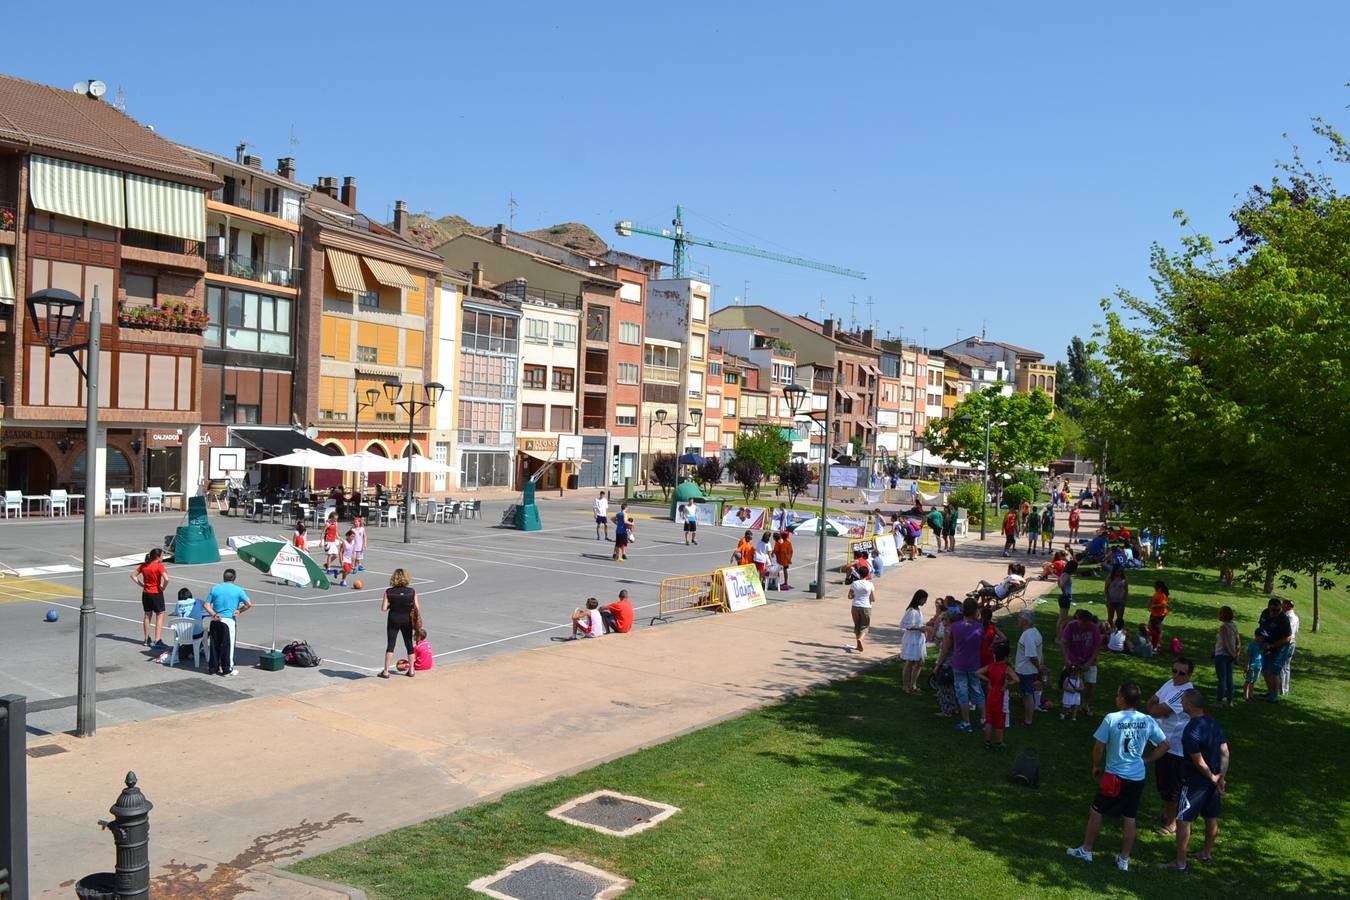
99 886
572 481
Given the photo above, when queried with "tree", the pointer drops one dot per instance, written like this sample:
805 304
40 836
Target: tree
666 471
1076 380
766 447
1226 404
748 475
708 473
1023 434
795 477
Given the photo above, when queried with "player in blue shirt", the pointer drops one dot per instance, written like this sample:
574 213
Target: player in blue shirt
1122 737
1204 778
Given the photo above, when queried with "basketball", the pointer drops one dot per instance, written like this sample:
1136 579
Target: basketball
52 615
358 584
402 665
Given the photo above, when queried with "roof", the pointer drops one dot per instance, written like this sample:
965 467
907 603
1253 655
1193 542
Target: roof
43 118
965 360
329 213
270 177
1020 351
535 257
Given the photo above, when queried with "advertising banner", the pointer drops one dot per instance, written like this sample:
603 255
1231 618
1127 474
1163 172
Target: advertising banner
853 526
704 513
744 516
844 476
741 587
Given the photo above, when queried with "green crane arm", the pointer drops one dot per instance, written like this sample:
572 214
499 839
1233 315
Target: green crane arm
681 237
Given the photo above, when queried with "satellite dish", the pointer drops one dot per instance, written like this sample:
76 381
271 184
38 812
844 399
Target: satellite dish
311 432
81 87
97 89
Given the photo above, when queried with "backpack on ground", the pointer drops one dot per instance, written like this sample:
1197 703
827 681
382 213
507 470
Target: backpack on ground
1026 769
299 654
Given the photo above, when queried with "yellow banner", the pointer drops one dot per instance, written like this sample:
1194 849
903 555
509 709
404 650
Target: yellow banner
930 487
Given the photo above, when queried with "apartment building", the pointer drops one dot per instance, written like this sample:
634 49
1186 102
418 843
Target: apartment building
736 404
675 354
446 318
857 372
95 203
957 379
367 294
488 381
889 393
934 385
996 363
548 382
712 406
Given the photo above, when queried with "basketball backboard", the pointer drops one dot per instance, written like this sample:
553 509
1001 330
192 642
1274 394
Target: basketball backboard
225 462
569 446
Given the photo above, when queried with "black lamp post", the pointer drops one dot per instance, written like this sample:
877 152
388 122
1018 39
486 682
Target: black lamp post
54 314
372 394
432 392
659 416
984 493
796 397
680 427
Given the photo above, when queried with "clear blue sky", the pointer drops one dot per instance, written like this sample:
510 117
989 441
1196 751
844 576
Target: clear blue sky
999 163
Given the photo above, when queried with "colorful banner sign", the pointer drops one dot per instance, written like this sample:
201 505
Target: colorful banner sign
741 587
744 516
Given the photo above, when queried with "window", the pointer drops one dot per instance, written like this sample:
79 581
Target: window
630 292
139 288
536 331
368 300
625 415
662 356
250 321
630 333
597 323
698 307
488 376
729 410
714 368
696 346
560 418
628 373
367 354
729 377
695 384
492 332
564 334
712 434
564 379
783 373
531 417
535 378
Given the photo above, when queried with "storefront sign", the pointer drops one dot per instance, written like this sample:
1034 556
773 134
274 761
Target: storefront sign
36 434
539 445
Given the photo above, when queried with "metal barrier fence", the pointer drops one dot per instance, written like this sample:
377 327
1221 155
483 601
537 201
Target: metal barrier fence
687 593
13 797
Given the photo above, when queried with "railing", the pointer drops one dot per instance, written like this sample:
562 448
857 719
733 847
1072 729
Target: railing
596 377
146 240
540 296
243 199
248 268
9 216
662 374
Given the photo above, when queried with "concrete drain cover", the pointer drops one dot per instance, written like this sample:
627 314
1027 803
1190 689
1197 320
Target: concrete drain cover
610 813
546 876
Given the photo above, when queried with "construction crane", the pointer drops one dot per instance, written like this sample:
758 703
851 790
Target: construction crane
683 238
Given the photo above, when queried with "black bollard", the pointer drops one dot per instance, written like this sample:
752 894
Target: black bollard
130 827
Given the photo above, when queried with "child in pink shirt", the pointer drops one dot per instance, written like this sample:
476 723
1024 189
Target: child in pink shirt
422 657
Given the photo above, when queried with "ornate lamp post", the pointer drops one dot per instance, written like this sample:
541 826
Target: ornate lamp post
54 314
680 427
432 392
372 394
796 397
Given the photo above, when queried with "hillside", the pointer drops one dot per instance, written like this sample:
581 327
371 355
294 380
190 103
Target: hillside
431 233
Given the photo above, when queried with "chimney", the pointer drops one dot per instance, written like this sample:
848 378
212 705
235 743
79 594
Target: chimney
868 337
476 278
286 167
239 152
401 217
516 287
499 235
327 185
349 192
827 328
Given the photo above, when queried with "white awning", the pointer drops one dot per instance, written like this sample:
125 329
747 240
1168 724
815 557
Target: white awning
346 269
79 191
390 274
165 207
6 277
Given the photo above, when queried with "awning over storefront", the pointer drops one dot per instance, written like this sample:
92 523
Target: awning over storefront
390 274
541 455
82 192
164 207
346 269
277 441
6 277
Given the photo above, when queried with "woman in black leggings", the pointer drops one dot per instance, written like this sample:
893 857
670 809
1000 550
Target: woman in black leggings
400 600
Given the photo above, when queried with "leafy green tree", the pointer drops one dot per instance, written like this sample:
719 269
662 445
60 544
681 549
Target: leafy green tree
708 473
795 477
1023 434
766 447
1226 408
748 475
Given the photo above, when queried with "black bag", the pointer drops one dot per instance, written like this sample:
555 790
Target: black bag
299 654
943 676
1026 769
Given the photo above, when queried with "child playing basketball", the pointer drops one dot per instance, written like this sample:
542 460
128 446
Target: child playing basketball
332 547
346 551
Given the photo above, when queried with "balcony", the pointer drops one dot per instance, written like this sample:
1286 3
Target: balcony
597 368
267 201
161 250
249 269
9 217
661 374
472 437
594 413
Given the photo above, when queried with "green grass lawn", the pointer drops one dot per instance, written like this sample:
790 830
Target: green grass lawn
858 791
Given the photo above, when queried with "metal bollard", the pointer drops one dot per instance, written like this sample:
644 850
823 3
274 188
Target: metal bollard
130 827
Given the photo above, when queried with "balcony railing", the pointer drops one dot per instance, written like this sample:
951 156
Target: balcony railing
596 377
251 269
470 436
662 374
241 197
146 240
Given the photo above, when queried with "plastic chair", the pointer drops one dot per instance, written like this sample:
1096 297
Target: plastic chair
435 512
473 509
14 501
154 498
182 635
117 501
390 516
59 501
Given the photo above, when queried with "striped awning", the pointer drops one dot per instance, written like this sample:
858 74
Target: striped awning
390 274
6 277
165 207
79 191
346 269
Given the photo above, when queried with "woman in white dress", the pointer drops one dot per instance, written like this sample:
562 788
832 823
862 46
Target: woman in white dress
914 643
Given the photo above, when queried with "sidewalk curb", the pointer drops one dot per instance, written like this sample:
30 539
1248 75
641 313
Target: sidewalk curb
351 893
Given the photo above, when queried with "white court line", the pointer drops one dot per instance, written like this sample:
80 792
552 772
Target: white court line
526 634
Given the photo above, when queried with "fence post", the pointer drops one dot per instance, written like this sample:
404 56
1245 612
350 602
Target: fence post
13 796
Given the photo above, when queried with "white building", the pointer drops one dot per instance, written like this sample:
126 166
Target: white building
548 381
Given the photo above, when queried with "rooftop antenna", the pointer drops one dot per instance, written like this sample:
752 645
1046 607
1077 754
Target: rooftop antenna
871 321
925 338
822 307
984 328
747 292
511 208
295 139
853 313
120 100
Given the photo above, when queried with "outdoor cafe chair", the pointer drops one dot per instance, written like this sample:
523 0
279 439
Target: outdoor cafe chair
154 499
390 515
435 512
182 635
60 500
14 501
117 501
473 509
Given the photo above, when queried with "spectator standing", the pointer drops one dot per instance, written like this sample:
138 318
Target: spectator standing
949 528
1275 632
962 648
1009 532
1081 639
1117 595
1033 530
1122 738
690 524
601 511
152 579
224 604
914 642
1288 607
622 532
995 674
936 524
1048 529
1029 664
1075 516
782 551
763 555
1165 706
618 616
1225 654
745 550
401 605
359 543
861 593
1253 670
1064 581
1157 611
1204 779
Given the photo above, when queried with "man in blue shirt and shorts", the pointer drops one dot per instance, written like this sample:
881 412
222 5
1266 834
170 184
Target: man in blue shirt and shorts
1204 779
1123 737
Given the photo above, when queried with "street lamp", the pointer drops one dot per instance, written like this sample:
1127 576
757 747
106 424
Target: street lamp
680 427
659 416
431 391
795 395
372 394
984 495
54 314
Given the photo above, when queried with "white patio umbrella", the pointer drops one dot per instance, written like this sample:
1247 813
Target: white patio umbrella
305 458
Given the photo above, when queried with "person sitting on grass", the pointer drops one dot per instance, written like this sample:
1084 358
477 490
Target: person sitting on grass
1143 644
1050 570
588 623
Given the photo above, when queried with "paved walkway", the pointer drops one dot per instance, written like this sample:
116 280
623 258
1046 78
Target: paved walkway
240 788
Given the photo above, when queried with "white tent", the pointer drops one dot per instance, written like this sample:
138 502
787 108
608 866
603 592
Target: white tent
932 460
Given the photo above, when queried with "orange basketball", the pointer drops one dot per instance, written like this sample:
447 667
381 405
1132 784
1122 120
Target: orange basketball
402 665
358 584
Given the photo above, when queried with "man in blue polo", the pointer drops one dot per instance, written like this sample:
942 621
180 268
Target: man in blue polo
1204 779
224 604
